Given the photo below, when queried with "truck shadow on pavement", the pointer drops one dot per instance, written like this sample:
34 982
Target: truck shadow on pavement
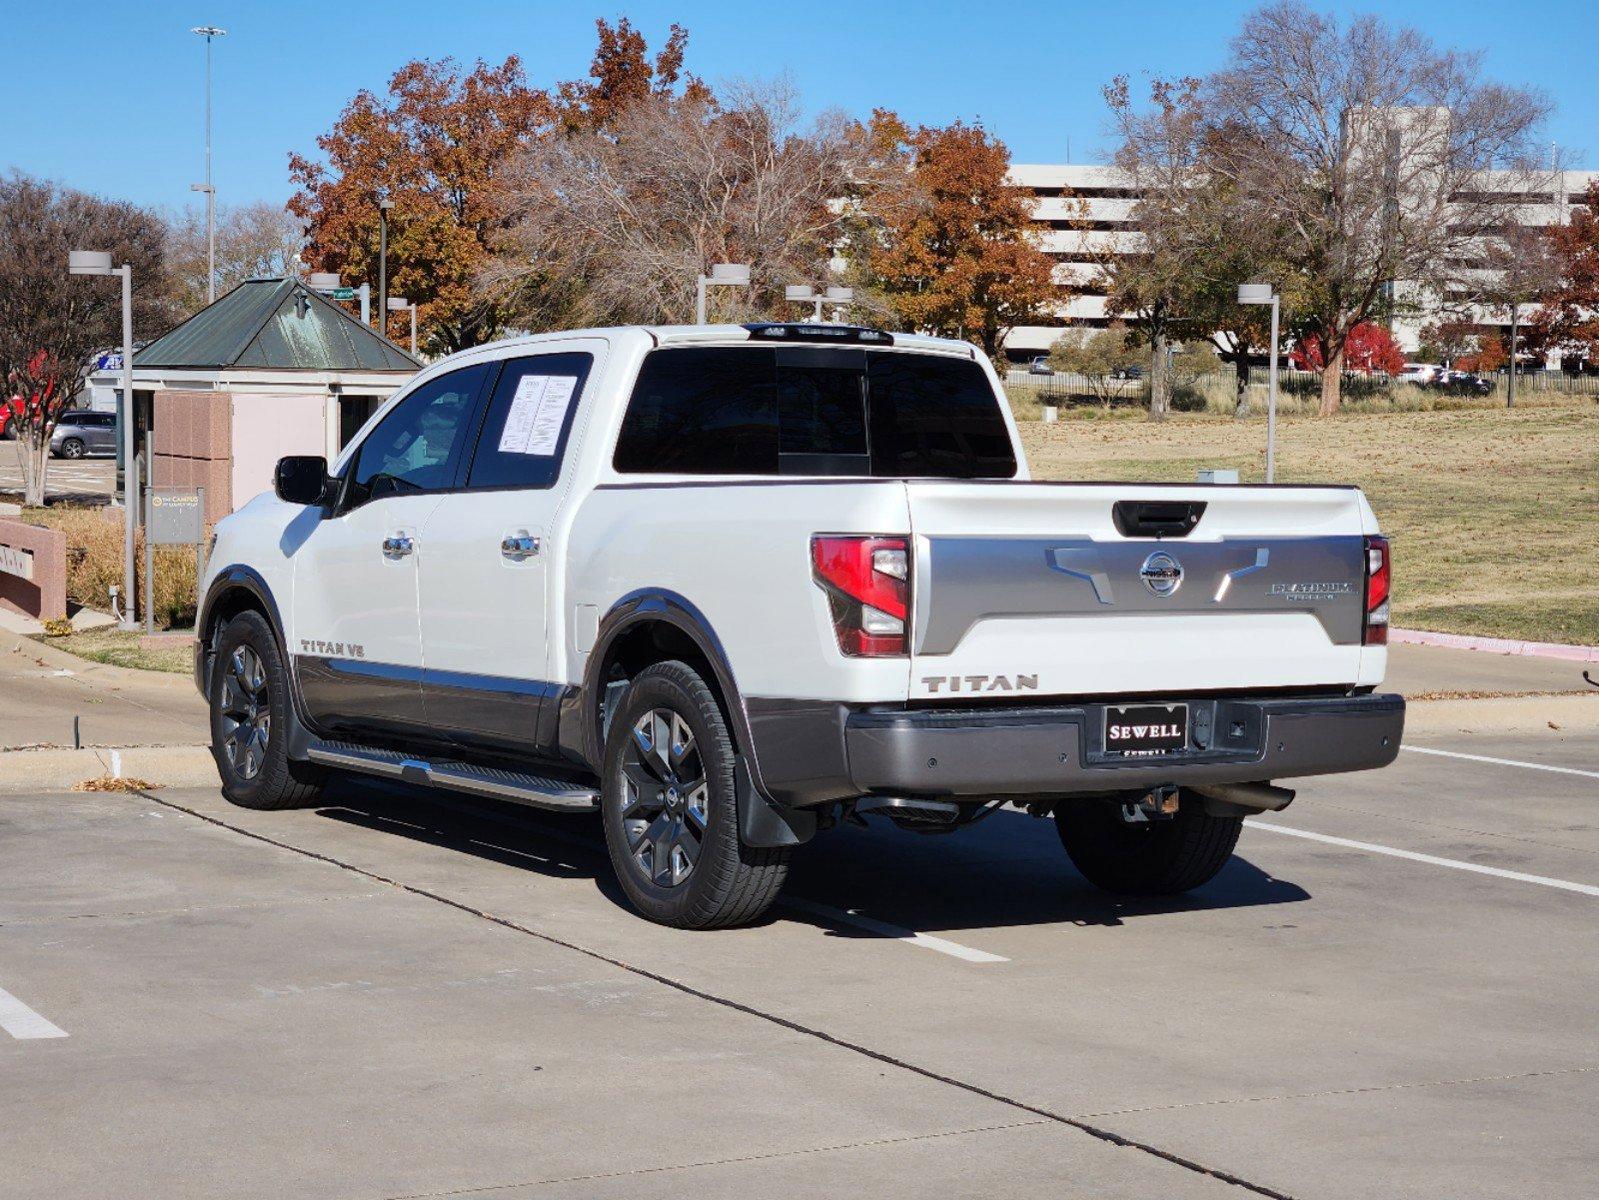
1007 871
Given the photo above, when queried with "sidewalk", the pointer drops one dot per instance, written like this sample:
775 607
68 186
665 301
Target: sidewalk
42 689
1415 671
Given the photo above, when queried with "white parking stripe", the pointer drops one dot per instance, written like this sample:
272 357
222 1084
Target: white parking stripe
21 1022
884 929
1586 889
1501 762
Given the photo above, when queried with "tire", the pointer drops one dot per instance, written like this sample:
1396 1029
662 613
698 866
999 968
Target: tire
1153 858
657 821
250 721
72 448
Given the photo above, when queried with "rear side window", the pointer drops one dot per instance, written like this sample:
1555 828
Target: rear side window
813 410
935 417
702 411
529 421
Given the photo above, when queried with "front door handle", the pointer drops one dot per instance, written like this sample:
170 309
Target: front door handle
398 545
518 547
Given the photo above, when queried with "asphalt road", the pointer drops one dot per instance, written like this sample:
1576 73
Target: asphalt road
390 995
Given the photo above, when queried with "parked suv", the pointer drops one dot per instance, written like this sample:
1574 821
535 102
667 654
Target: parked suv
733 585
79 433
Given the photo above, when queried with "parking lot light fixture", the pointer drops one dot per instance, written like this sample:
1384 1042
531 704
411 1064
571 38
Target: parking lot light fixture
804 293
722 275
98 262
838 297
1262 293
401 304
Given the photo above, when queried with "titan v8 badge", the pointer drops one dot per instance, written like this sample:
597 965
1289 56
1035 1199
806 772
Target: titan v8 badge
332 649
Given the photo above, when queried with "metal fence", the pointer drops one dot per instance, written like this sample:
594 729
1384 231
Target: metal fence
1216 389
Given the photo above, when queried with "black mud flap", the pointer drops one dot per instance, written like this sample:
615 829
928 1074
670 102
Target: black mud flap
764 823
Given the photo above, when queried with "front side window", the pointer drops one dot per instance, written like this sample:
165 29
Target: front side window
419 445
813 410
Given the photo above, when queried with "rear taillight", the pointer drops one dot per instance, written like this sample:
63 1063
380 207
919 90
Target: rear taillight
867 581
1378 583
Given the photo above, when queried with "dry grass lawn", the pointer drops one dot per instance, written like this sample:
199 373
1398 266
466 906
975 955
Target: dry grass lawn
1494 514
123 650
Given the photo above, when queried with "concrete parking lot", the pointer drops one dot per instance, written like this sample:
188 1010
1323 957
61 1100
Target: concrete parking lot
1390 992
84 480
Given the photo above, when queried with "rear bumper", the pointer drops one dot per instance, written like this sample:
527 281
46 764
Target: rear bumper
1058 751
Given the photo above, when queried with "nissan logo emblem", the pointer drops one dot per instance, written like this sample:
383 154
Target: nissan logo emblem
1162 574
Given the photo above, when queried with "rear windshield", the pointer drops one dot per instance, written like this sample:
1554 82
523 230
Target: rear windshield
813 410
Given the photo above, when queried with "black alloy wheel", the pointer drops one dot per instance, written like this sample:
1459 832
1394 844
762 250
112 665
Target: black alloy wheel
670 808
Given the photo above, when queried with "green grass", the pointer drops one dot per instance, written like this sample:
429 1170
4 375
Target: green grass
123 650
1493 513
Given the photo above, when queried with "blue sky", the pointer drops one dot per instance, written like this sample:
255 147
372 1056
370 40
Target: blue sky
1030 71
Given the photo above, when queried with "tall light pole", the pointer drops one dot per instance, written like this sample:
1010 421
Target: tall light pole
1261 293
209 32
722 275
384 204
98 262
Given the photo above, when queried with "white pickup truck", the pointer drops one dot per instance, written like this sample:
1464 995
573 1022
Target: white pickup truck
731 585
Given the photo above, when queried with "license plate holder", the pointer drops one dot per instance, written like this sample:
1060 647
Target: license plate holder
1146 730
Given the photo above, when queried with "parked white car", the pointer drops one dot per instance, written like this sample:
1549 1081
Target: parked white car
731 585
1419 373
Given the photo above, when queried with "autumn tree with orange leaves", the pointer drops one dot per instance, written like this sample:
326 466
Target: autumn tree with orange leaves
439 143
1569 318
957 257
622 76
434 144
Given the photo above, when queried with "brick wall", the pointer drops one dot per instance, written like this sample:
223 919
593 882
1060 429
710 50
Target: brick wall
193 446
41 553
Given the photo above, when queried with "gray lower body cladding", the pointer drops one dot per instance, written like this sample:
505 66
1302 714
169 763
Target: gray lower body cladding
1059 751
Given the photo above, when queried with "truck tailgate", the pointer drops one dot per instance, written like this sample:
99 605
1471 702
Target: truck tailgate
1041 589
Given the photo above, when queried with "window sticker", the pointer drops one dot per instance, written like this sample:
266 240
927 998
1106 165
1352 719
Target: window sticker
538 412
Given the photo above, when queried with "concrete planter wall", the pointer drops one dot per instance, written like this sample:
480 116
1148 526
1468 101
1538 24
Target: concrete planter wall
33 570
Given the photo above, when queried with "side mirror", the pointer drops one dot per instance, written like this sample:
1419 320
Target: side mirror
302 479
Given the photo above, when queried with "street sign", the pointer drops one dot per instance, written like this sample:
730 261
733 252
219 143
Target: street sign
343 293
177 517
172 517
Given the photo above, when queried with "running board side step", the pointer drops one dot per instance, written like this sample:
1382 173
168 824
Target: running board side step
536 790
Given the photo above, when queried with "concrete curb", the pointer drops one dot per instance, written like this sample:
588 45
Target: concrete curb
58 770
1488 645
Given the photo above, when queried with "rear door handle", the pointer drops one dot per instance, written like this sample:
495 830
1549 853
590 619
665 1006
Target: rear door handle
518 547
398 545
